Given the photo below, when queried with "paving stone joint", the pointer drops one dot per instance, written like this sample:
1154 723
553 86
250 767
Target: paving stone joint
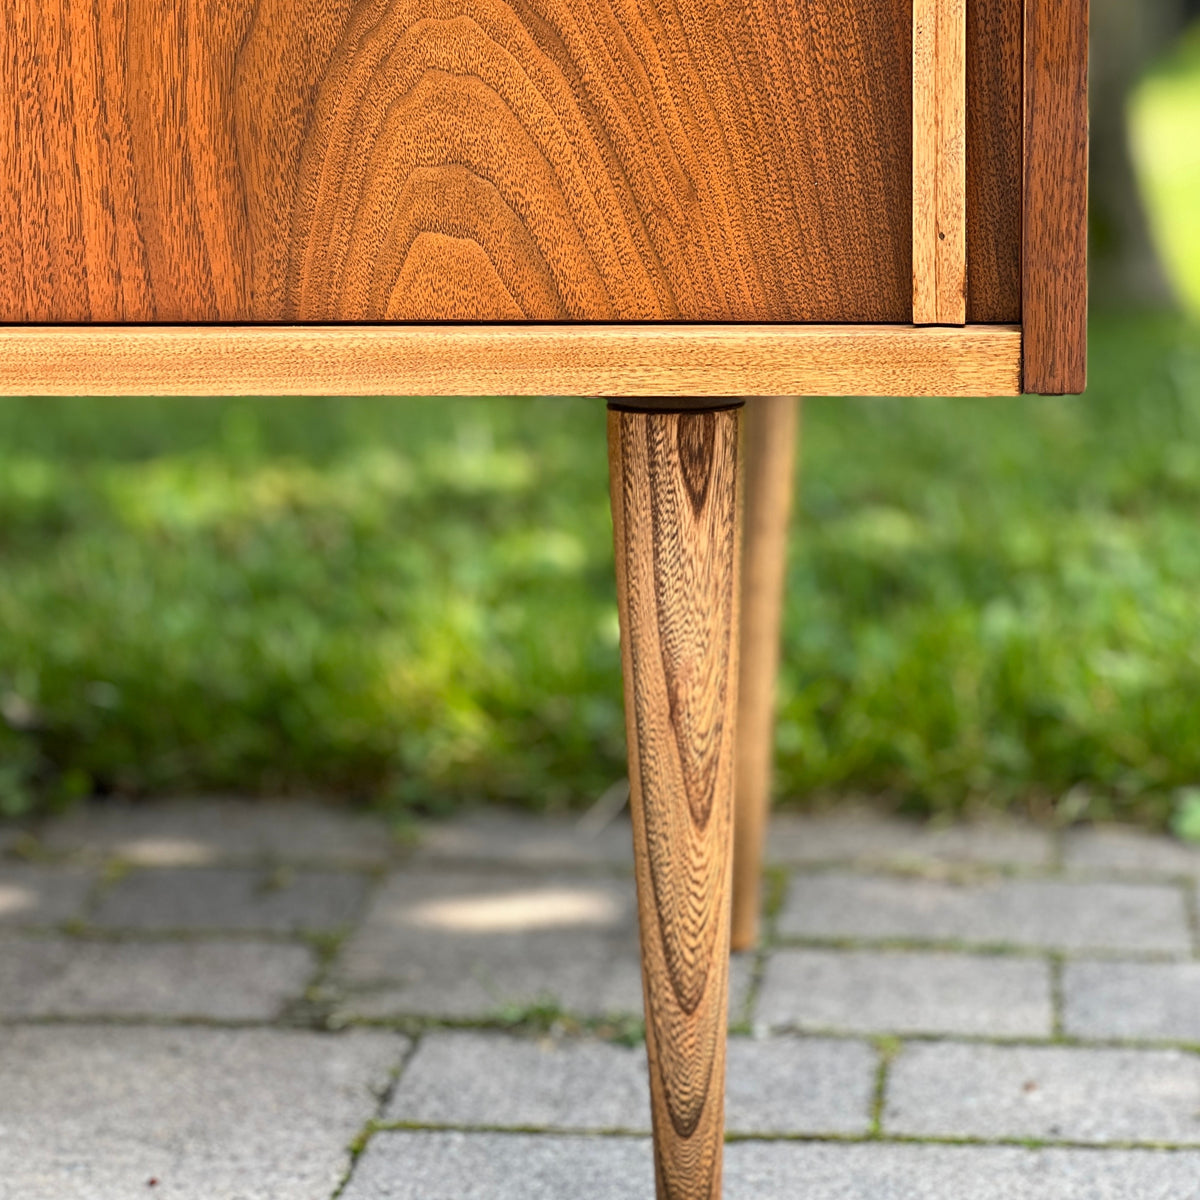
279 1001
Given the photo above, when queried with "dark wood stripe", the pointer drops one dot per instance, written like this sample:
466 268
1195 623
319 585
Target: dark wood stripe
1054 237
662 404
994 52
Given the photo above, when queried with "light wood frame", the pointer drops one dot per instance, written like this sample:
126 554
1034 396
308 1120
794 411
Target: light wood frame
939 162
590 360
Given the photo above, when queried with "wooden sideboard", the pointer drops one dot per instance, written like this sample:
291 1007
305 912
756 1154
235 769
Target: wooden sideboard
674 205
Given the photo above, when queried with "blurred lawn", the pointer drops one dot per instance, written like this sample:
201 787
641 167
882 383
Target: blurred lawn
989 601
411 601
1165 128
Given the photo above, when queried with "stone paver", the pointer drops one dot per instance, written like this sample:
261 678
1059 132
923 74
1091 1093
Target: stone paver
214 980
488 1079
475 943
250 1114
1108 848
1051 1092
906 992
41 895
499 1166
454 1166
525 839
494 912
800 1086
12 835
194 833
469 944
232 898
760 1171
1150 1001
476 1079
864 838
1021 912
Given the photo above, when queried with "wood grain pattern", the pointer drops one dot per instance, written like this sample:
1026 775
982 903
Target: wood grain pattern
675 522
995 47
581 360
1054 239
415 160
939 162
770 455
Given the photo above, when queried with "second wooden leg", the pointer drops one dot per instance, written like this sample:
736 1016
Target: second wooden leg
675 519
770 451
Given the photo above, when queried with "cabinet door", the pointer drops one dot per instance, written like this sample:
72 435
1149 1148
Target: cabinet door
483 160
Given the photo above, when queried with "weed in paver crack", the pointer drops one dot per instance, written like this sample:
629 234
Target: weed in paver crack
978 1143
359 1144
887 1048
775 884
1058 1003
314 1008
79 929
1191 903
829 1139
26 847
630 1032
930 869
407 833
1007 1041
621 1030
548 1016
114 871
1057 859
326 943
954 874
954 945
278 879
543 1014
617 1131
110 873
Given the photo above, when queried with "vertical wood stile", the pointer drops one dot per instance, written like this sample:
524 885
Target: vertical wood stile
676 529
1054 236
770 454
939 162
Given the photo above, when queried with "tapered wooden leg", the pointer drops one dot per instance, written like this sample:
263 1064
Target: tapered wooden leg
677 530
770 451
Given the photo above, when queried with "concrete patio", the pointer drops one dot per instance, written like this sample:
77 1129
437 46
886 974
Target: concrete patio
235 1001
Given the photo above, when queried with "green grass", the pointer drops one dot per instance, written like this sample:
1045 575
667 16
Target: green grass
993 602
990 603
406 598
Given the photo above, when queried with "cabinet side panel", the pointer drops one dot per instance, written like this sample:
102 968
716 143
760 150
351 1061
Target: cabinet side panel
1054 302
994 47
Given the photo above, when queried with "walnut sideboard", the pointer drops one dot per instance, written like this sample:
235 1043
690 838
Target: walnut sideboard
673 204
